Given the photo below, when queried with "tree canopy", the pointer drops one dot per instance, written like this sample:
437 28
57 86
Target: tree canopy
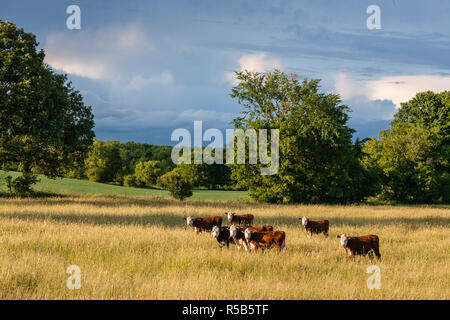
44 125
318 161
413 156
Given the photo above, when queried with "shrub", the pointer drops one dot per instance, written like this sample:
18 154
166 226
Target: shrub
22 184
130 180
177 185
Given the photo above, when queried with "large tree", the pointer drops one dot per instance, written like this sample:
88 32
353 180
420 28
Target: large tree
44 125
318 161
413 155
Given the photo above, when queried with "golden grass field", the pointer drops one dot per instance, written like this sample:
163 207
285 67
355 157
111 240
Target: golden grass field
140 248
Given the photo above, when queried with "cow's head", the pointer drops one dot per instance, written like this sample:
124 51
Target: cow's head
233 231
230 216
248 234
344 239
215 231
305 221
189 221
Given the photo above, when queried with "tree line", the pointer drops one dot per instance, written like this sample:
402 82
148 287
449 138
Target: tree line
46 128
141 165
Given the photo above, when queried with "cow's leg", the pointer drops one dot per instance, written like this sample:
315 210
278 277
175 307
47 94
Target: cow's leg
377 253
237 243
279 247
325 233
349 255
309 234
245 245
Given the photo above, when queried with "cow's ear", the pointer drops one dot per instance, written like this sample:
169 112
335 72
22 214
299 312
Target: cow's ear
184 218
338 237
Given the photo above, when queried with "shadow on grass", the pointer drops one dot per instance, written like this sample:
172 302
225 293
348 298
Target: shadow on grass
123 201
164 220
173 219
32 195
340 222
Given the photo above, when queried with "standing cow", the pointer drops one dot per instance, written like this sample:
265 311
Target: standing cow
222 235
361 246
245 219
237 234
200 224
265 239
319 226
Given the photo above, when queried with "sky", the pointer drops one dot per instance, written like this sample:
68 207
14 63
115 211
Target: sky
149 67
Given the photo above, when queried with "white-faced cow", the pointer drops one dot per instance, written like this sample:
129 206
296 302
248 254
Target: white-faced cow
265 239
361 246
237 234
201 224
222 235
319 226
245 219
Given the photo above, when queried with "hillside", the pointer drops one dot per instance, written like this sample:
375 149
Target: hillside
83 187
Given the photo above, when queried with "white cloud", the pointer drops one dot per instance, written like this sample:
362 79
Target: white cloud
403 88
257 62
395 88
347 87
139 82
96 54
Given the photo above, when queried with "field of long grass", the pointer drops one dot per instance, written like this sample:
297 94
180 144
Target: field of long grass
140 248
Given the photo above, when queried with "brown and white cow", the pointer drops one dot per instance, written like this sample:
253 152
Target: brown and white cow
319 226
265 239
200 224
238 236
361 245
245 219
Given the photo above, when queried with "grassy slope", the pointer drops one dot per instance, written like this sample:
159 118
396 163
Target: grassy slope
140 248
64 185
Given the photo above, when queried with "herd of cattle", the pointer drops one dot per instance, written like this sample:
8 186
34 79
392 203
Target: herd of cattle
242 233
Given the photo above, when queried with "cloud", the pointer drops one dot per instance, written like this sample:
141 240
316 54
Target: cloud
131 119
357 95
347 87
139 82
257 62
403 88
379 99
97 54
114 117
405 48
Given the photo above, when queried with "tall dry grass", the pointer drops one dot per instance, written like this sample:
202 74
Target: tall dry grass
138 248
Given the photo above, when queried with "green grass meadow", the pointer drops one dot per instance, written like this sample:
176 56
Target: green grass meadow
84 187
